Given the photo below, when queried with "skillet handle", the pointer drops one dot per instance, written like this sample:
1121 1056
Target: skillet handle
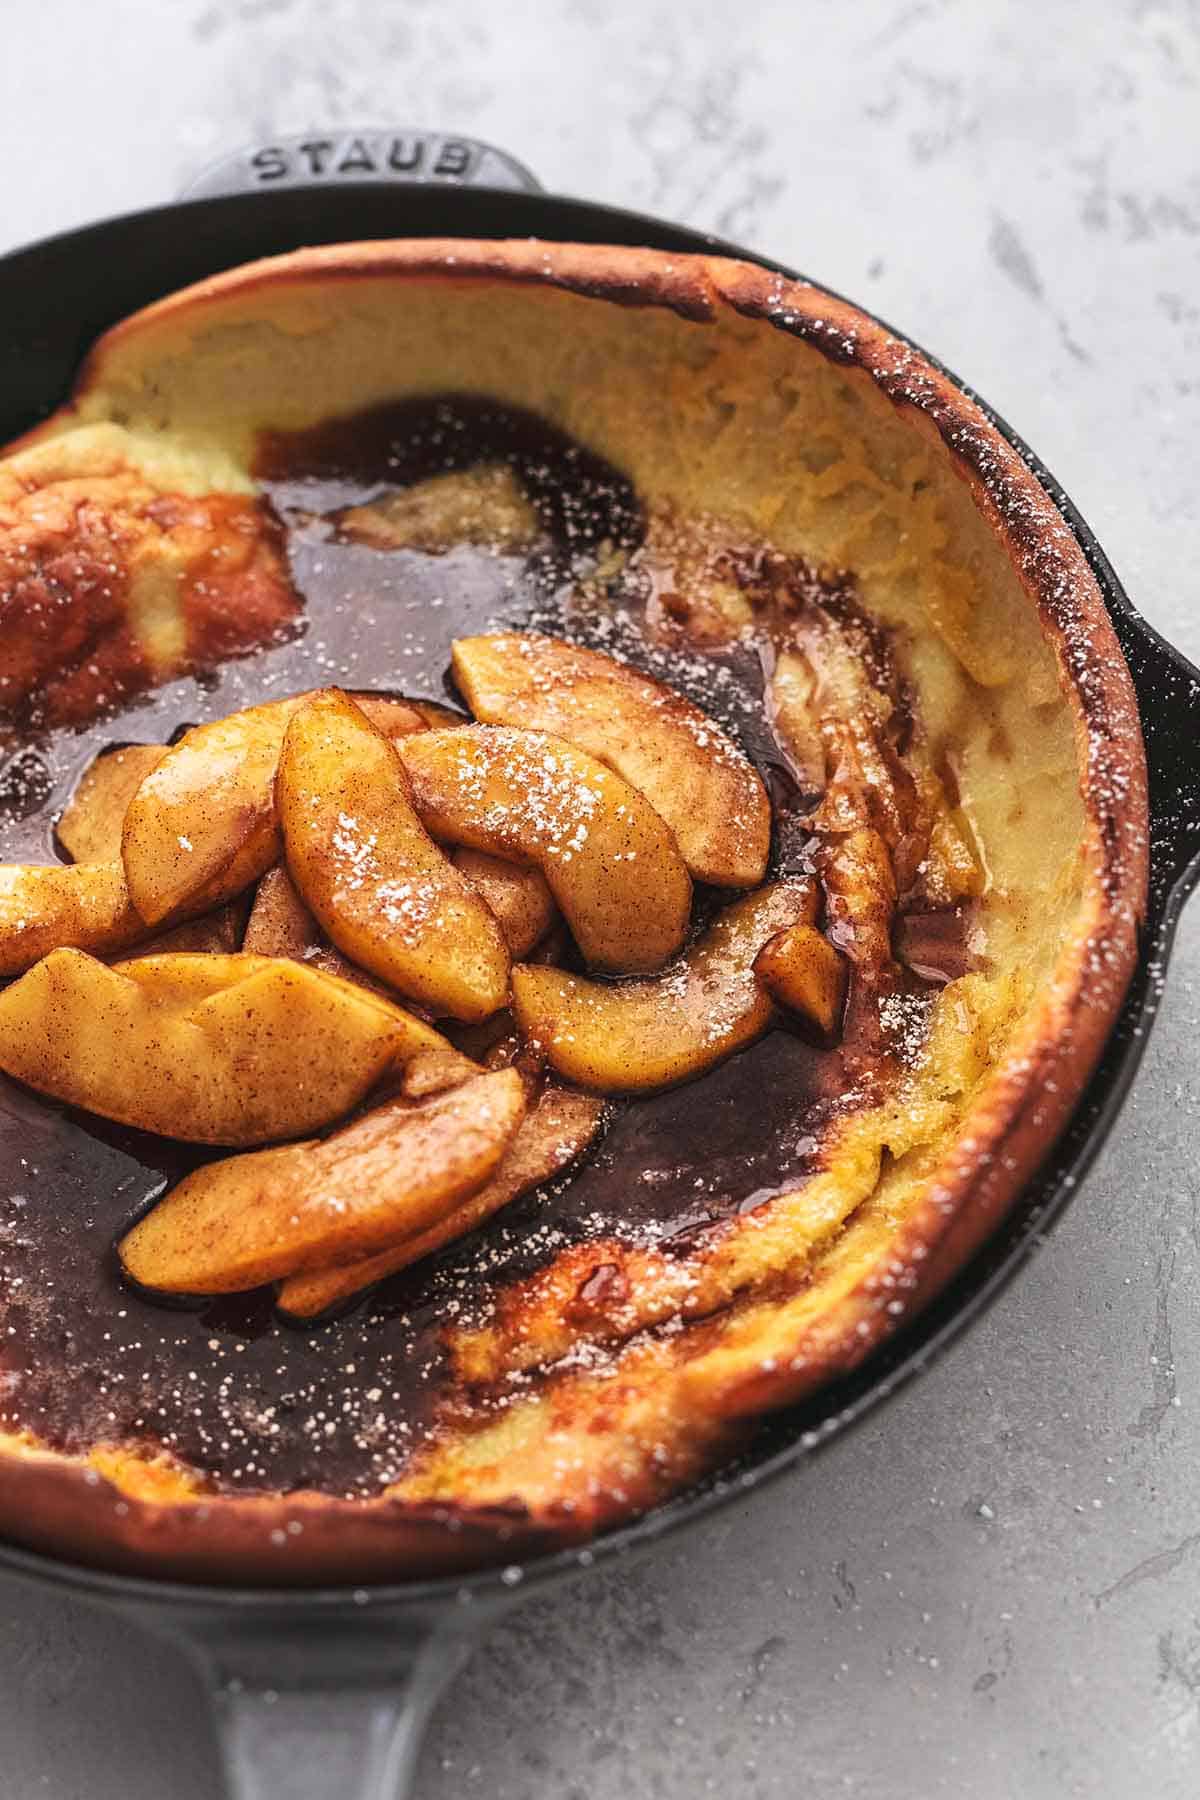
335 158
328 1708
1168 689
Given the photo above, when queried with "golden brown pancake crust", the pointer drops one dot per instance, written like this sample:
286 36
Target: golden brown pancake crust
72 555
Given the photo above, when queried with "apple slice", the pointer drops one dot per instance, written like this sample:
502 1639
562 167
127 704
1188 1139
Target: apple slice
209 1049
828 693
791 706
395 718
805 974
434 1071
202 824
90 828
860 898
82 905
556 1131
398 718
217 933
373 877
691 772
608 859
396 1171
641 1035
280 924
522 902
482 1040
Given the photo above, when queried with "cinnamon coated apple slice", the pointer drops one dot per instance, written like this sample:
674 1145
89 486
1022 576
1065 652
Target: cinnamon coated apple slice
280 924
435 1071
218 933
691 772
804 973
791 705
556 1130
860 898
91 825
365 865
636 1036
608 859
209 1049
85 906
522 902
202 824
398 718
393 1173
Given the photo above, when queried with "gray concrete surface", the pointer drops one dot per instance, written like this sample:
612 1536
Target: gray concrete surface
991 1592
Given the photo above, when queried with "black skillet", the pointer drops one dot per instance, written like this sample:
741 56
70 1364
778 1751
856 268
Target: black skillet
321 1693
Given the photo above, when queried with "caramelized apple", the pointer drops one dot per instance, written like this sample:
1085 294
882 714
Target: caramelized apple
791 703
202 824
523 904
608 859
435 1071
280 924
82 905
218 933
373 877
860 897
209 1049
90 827
640 1035
806 975
690 771
395 1172
553 1134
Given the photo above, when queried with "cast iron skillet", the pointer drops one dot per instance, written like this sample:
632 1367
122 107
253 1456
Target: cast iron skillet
326 1692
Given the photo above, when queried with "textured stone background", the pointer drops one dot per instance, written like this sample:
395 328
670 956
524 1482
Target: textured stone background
992 1590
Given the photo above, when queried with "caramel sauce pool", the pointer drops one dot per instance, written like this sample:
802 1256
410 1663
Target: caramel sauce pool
232 1391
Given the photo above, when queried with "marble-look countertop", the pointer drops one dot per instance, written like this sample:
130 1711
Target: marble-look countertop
992 1590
